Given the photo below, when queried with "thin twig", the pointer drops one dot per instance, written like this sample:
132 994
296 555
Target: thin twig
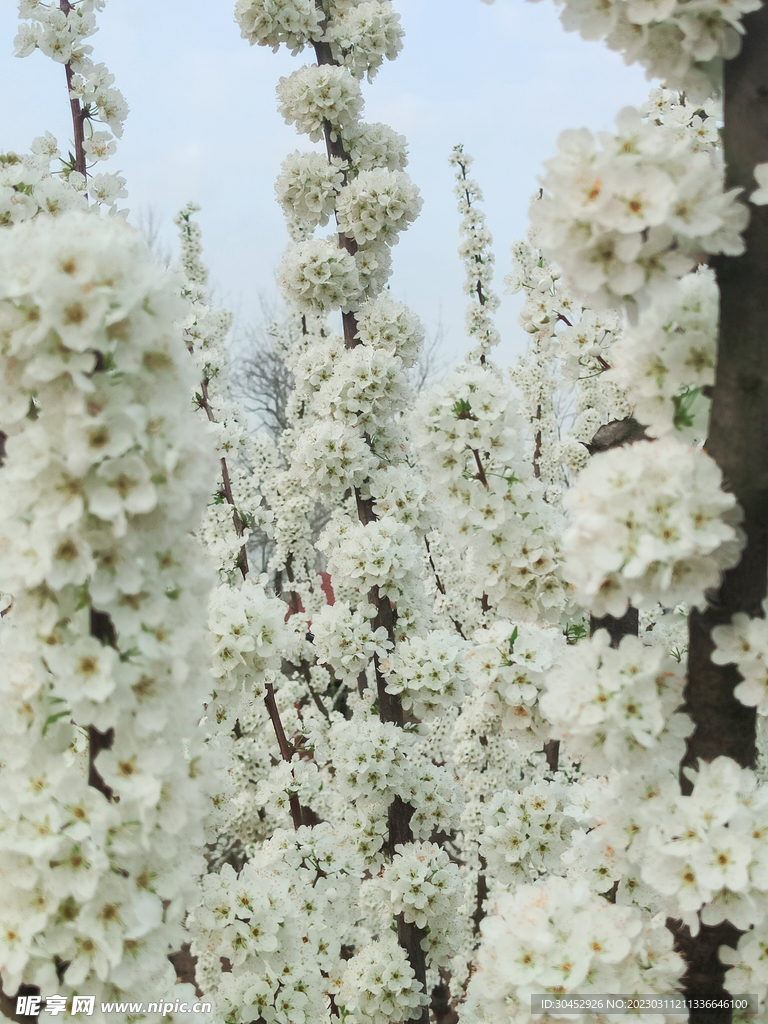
79 113
286 750
480 471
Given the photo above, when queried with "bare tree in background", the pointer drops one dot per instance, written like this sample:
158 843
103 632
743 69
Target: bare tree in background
430 367
261 381
149 224
262 384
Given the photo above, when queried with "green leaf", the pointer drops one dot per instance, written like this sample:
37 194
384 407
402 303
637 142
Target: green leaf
462 410
683 404
54 718
575 632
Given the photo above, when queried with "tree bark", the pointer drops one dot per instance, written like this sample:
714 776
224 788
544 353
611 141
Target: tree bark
627 625
738 442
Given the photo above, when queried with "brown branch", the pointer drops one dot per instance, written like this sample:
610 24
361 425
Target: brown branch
441 1004
552 754
286 750
79 114
480 471
334 146
537 447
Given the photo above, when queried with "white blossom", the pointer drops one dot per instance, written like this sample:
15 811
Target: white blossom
364 35
104 645
376 205
622 213
272 22
313 95
650 523
760 195
378 985
556 936
665 361
377 145
615 706
744 643
316 275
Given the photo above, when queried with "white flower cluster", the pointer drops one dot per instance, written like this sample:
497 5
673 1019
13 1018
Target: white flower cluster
508 665
61 36
760 195
403 494
249 635
279 923
28 186
623 213
556 936
699 858
343 639
378 985
332 456
315 365
477 256
237 507
567 352
316 275
374 762
708 852
747 965
370 758
613 707
526 833
365 383
427 672
665 361
272 22
191 258
677 41
745 644
650 524
390 326
423 884
382 554
471 440
348 450
313 96
377 145
297 777
106 475
306 189
374 265
376 205
364 34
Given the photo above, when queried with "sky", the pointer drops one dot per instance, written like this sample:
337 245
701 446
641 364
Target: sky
503 79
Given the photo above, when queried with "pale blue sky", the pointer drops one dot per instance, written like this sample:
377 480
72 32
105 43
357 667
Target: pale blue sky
503 79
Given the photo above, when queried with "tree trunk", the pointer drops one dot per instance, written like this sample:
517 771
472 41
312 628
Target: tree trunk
738 442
